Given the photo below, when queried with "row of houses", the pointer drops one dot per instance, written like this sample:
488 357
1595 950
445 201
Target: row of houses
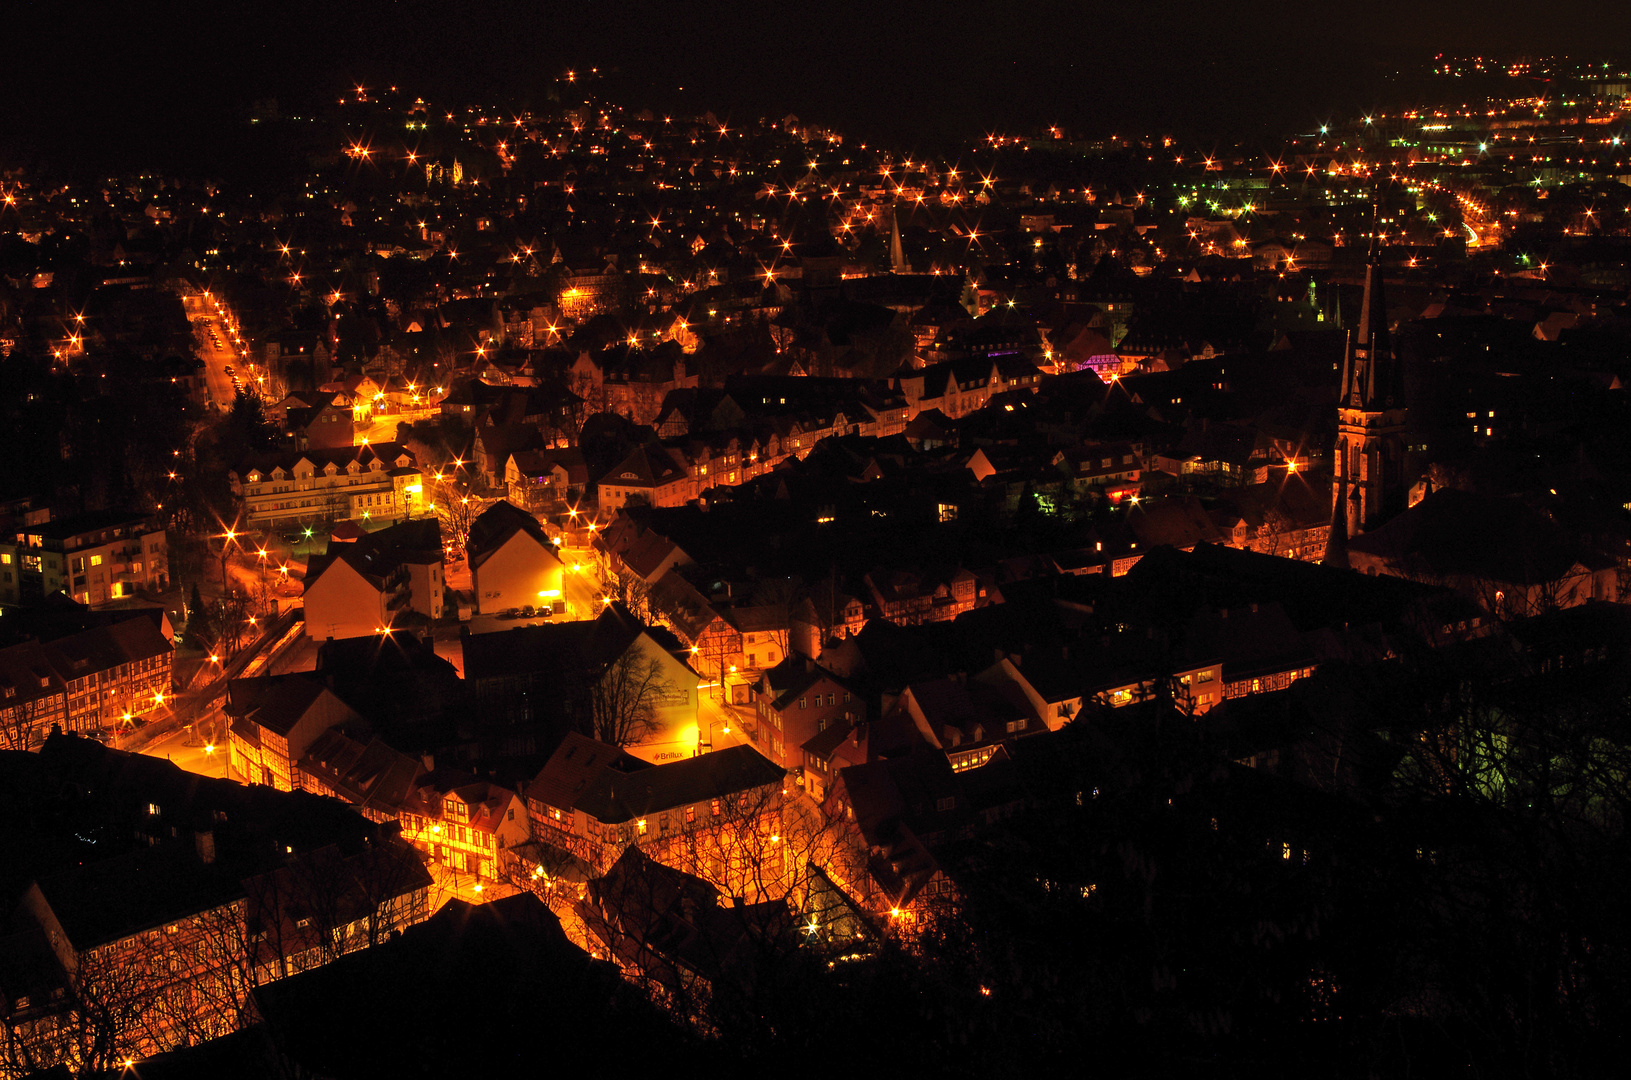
368 583
156 901
97 680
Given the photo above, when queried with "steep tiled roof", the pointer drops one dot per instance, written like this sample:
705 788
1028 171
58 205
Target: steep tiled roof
496 525
613 797
646 466
575 763
375 555
275 702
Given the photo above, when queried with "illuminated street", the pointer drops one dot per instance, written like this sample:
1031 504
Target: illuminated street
189 750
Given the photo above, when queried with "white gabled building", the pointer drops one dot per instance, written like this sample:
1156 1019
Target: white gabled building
512 561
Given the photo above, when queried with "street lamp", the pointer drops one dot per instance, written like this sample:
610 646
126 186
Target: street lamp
260 553
227 540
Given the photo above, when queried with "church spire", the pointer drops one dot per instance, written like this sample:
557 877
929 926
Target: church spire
897 254
1371 377
1367 482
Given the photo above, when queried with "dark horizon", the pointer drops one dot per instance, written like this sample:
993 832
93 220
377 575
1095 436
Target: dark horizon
154 86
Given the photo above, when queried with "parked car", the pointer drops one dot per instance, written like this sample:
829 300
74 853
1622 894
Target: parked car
527 612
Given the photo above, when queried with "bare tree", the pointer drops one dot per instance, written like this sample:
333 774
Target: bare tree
758 855
232 620
781 594
456 507
107 1007
624 699
760 845
635 593
716 651
203 975
193 980
324 904
22 719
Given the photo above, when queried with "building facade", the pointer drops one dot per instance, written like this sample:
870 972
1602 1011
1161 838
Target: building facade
94 558
361 482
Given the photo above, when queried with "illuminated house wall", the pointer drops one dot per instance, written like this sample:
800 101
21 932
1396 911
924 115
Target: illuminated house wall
523 569
466 828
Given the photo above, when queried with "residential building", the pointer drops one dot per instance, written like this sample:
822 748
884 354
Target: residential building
113 674
360 769
908 596
625 551
765 631
94 558
896 813
649 475
195 890
465 824
1112 467
379 480
535 683
327 425
513 562
959 387
546 482
95 680
275 720
381 580
827 613
33 697
797 700
594 801
673 929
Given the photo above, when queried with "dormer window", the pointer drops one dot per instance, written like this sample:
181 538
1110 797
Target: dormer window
255 477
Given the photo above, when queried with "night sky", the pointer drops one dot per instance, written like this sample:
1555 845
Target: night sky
154 80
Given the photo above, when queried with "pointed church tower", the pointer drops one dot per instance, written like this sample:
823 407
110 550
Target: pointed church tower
1368 485
897 254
